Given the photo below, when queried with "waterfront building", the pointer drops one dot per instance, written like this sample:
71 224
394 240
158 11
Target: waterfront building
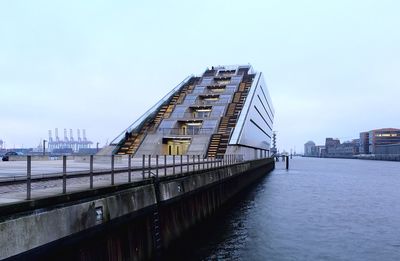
364 142
330 144
333 148
379 141
309 149
389 149
226 110
321 152
382 137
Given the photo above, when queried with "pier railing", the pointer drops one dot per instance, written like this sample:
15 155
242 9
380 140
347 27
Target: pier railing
71 173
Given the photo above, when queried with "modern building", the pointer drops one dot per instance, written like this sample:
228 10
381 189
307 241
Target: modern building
378 141
226 110
310 149
389 149
381 137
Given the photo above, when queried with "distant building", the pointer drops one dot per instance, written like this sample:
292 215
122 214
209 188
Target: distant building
389 149
309 149
364 142
333 148
330 145
380 141
321 151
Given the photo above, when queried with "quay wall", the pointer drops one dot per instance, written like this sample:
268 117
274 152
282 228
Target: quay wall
122 222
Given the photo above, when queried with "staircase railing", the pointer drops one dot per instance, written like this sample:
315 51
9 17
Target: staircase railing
187 132
149 112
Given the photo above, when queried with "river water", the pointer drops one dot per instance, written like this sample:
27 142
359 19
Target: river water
321 209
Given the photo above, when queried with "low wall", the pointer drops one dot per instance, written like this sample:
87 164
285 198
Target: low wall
127 224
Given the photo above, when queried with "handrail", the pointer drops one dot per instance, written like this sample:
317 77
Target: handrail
136 123
192 115
203 102
187 132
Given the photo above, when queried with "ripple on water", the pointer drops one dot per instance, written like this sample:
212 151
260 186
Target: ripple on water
321 209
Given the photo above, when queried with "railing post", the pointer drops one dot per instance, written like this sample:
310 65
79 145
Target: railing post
64 174
204 164
143 164
129 168
208 162
157 165
181 163
112 169
173 164
165 165
28 176
194 163
149 171
198 162
91 171
187 163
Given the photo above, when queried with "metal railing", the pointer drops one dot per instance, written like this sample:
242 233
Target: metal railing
196 115
216 102
93 171
185 132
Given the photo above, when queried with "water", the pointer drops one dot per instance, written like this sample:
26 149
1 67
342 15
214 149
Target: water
321 209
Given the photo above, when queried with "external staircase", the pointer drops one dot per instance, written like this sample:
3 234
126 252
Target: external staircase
219 141
132 140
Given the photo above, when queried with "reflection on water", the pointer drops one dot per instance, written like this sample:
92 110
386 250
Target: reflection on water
321 209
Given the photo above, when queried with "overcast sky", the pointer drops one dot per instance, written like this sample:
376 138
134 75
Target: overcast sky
332 67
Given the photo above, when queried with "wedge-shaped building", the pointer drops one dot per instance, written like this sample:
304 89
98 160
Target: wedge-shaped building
227 110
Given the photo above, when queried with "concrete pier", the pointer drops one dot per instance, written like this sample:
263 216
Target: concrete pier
131 221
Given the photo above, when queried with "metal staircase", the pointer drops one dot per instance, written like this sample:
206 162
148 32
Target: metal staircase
132 140
219 141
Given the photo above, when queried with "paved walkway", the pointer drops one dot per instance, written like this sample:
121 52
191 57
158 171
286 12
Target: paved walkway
12 193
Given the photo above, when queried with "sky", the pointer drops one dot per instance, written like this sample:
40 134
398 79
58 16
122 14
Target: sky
332 67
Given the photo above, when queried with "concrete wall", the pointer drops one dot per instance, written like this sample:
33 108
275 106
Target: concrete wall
74 231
